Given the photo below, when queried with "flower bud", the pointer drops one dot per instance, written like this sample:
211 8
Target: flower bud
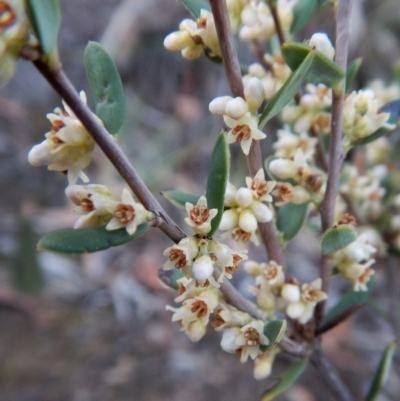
229 220
247 221
40 155
236 108
254 93
176 41
291 292
261 212
244 197
321 42
283 168
295 310
202 268
228 341
256 70
217 105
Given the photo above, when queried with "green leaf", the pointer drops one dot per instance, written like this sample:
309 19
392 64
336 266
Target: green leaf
170 277
84 240
274 331
179 199
218 179
394 109
291 218
106 86
382 372
323 70
26 272
288 90
352 298
302 12
352 71
337 237
195 7
288 377
45 17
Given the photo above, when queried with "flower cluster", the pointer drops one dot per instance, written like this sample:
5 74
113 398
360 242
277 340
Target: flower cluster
14 34
195 36
67 147
303 184
274 294
241 114
272 79
362 117
354 261
97 207
245 208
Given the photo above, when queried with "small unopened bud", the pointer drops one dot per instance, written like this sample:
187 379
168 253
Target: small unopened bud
217 106
256 70
262 212
291 292
202 268
236 108
247 221
244 197
229 220
178 40
254 93
283 168
321 42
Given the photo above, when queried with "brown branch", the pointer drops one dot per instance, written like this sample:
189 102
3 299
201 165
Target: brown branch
336 154
277 22
330 374
62 85
232 69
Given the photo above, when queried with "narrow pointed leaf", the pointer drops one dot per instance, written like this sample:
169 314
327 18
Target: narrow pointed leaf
218 179
291 219
26 271
45 16
170 277
336 238
352 71
323 70
382 372
302 12
106 86
287 379
179 199
349 300
195 6
394 109
274 331
288 90
84 240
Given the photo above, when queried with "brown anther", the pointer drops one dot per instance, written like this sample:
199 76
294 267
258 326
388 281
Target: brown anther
242 131
315 181
197 39
252 337
240 235
57 125
230 269
364 278
201 22
300 171
322 122
310 294
65 113
347 219
65 172
279 59
7 15
213 256
124 213
56 140
199 308
87 205
199 214
261 187
181 289
218 321
205 284
179 256
322 91
284 193
270 272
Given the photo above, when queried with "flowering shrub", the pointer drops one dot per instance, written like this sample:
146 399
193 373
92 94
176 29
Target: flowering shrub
309 179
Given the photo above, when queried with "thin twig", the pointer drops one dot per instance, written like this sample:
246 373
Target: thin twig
232 69
336 153
277 22
330 374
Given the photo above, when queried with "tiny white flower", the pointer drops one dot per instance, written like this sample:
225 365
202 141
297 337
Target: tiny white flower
321 42
200 216
250 340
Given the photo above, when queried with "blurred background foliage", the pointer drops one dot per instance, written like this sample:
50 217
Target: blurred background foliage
94 327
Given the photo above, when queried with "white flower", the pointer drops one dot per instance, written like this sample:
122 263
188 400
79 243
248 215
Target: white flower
228 317
288 143
259 187
129 214
296 169
244 130
95 203
321 42
250 339
200 216
67 147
